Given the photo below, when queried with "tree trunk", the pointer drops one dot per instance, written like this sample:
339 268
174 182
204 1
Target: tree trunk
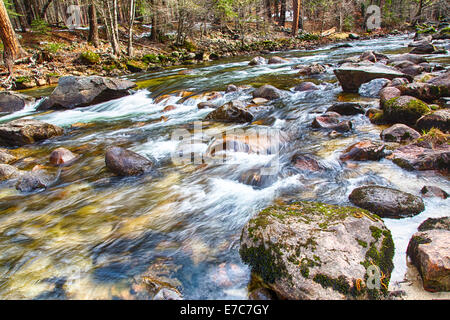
154 34
44 9
93 26
296 12
130 30
12 49
22 18
283 13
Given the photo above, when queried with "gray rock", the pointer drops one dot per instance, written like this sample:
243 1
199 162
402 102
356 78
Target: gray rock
387 202
372 88
431 192
399 133
8 172
34 180
27 131
73 92
267 92
12 102
346 108
124 162
257 61
439 119
316 251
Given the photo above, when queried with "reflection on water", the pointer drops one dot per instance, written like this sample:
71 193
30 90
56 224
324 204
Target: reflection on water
94 236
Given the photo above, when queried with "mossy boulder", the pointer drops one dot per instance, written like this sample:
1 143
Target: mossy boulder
399 133
387 202
89 57
439 119
404 109
136 66
150 58
309 250
27 131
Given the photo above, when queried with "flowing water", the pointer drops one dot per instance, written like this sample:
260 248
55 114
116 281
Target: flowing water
93 236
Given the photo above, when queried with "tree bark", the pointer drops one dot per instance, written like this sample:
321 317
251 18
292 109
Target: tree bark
283 13
93 26
130 30
12 49
296 13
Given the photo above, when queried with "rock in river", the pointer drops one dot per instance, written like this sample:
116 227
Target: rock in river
12 102
363 151
62 156
267 92
8 172
27 131
124 162
352 75
387 202
6 157
257 61
310 251
432 191
399 133
73 92
404 109
330 121
439 119
34 180
429 251
346 108
233 111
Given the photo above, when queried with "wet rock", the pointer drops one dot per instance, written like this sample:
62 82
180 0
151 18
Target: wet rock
233 111
372 56
27 131
261 294
6 157
353 36
267 92
376 116
409 68
309 70
346 108
315 251
431 191
8 172
387 202
168 294
169 108
231 88
12 102
405 109
416 59
331 122
62 156
399 133
423 48
34 180
363 151
372 88
277 60
73 92
306 86
352 75
389 93
439 119
259 101
257 178
429 252
435 224
306 163
257 61
205 105
399 82
124 162
431 90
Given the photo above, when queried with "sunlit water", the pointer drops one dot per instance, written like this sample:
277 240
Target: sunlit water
92 235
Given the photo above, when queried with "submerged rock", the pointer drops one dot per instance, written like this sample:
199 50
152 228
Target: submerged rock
404 109
12 101
6 157
310 251
306 86
34 180
363 151
399 133
429 251
387 202
352 75
27 131
267 92
306 163
8 172
73 92
233 111
124 162
331 121
346 108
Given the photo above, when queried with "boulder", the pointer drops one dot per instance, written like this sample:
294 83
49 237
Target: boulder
62 156
404 109
233 111
399 133
352 75
124 162
389 93
432 191
439 119
205 105
12 102
429 252
316 251
257 61
305 162
346 108
331 121
6 157
372 56
424 48
267 92
277 60
8 172
442 223
309 70
27 131
372 88
387 202
363 151
398 82
231 88
409 68
417 156
306 86
429 91
414 58
73 92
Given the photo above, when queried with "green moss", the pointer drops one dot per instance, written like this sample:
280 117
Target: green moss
396 110
136 66
90 57
340 284
150 58
22 79
362 243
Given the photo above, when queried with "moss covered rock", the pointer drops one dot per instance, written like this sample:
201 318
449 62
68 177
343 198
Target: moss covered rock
90 57
309 250
404 109
136 66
